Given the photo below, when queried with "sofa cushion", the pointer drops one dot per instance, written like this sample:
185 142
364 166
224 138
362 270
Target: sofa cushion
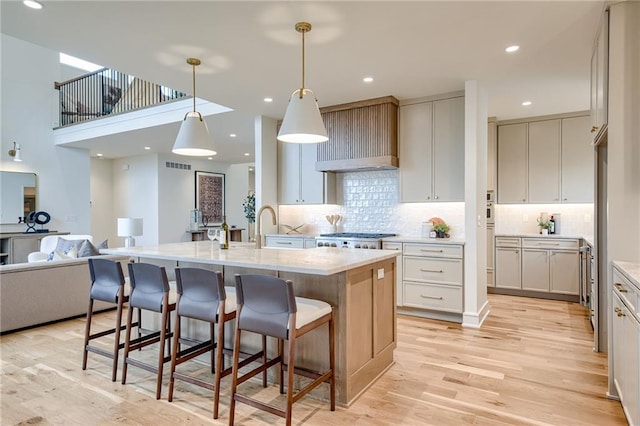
88 249
63 247
71 253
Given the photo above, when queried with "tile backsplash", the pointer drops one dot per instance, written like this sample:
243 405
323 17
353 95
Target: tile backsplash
574 220
369 203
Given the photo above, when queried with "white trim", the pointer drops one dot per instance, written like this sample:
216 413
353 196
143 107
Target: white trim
475 320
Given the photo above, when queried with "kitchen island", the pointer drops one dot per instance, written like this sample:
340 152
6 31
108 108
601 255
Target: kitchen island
359 284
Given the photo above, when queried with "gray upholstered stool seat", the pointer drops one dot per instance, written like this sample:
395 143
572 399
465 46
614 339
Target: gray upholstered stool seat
150 290
267 305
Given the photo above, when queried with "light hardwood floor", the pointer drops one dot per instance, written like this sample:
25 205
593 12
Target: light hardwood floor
531 363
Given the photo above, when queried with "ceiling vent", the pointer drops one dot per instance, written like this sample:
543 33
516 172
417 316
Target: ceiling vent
362 136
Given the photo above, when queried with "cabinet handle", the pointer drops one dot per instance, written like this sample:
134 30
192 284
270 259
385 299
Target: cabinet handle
565 199
619 312
594 129
435 197
426 296
431 270
524 199
620 288
432 251
428 197
284 242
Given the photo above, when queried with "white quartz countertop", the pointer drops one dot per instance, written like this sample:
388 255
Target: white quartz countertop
315 261
416 239
631 270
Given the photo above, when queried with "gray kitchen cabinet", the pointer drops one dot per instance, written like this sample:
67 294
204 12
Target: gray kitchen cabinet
399 288
544 162
599 79
432 151
490 256
298 180
625 343
507 270
564 271
512 163
535 270
577 161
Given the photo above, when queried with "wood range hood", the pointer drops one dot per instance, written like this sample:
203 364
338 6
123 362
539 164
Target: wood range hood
363 135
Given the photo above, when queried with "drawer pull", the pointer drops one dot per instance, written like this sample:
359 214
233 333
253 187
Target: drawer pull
620 288
548 244
431 270
432 251
619 312
426 296
284 242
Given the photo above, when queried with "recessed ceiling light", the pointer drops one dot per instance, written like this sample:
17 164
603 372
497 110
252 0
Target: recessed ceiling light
512 49
250 169
268 99
99 155
367 79
32 4
526 103
246 154
232 135
209 158
147 148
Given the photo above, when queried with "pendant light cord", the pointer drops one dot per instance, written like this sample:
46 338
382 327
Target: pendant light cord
194 87
302 89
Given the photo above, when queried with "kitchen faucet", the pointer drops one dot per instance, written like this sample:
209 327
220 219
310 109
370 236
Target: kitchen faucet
258 235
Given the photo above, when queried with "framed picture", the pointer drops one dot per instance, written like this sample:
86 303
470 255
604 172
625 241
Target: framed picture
210 197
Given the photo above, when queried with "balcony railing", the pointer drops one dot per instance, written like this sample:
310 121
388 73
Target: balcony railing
107 92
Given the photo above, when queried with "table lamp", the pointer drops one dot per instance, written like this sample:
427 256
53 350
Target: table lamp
129 227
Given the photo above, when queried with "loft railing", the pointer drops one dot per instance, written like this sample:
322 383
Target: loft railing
108 92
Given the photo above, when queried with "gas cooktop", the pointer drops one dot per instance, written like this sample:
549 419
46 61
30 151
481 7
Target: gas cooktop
359 235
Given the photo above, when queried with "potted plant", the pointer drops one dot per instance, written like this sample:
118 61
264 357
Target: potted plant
544 225
440 227
249 205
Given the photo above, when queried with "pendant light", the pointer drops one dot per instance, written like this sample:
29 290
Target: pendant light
302 121
193 138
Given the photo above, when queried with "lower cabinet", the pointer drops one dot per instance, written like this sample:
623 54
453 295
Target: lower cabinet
548 265
625 326
15 247
432 280
290 241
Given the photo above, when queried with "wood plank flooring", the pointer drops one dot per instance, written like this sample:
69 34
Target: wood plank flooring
530 364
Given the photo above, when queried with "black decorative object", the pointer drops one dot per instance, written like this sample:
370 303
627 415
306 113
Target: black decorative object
37 218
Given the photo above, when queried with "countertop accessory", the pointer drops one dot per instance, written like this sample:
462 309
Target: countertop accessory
440 226
302 122
193 137
292 229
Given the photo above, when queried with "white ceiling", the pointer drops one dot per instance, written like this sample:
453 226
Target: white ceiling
250 50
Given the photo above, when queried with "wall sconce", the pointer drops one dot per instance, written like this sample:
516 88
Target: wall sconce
15 152
129 227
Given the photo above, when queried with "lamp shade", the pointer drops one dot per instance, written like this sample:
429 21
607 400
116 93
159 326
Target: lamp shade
129 226
193 138
302 121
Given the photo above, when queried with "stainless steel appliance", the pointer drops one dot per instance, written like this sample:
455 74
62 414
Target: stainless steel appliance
352 240
490 202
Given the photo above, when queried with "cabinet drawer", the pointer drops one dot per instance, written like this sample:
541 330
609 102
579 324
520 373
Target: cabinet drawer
550 243
629 293
433 296
507 242
391 246
284 242
433 250
443 271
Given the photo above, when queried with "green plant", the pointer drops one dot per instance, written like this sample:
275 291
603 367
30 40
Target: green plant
441 227
249 205
544 224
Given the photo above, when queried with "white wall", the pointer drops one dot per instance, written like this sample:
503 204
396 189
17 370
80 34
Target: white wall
28 105
103 225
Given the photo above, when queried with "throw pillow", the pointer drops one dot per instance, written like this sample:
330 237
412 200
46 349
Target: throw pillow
72 253
87 249
63 246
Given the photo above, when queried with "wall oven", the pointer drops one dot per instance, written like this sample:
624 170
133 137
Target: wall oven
490 202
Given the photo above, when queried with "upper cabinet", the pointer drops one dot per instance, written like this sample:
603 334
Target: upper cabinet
599 79
298 180
492 136
432 151
545 162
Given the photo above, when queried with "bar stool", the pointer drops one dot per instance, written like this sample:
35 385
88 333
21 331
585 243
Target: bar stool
107 285
150 291
202 296
267 305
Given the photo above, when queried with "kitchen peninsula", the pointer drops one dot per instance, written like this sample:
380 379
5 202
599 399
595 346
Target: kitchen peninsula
359 284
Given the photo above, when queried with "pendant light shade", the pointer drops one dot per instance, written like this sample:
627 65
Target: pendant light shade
302 121
193 138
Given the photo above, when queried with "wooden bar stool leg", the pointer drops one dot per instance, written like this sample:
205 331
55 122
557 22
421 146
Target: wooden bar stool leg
219 345
163 339
332 363
174 356
127 341
87 333
281 356
116 343
234 375
264 360
290 374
